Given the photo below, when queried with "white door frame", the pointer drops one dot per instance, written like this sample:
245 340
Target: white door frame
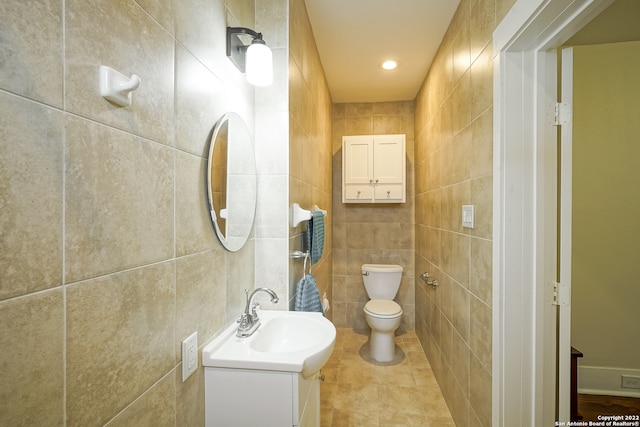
525 206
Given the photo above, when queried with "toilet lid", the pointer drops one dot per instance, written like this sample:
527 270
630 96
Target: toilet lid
383 308
385 268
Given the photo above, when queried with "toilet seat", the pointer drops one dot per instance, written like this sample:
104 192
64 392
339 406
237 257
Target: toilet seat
383 309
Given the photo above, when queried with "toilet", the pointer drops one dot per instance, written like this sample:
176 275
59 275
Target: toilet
383 315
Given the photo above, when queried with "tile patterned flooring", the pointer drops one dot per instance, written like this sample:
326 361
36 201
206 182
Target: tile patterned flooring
359 393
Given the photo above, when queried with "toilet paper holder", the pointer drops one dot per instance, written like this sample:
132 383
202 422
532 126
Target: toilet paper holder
425 278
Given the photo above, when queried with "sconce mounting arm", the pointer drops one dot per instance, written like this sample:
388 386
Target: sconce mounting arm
236 49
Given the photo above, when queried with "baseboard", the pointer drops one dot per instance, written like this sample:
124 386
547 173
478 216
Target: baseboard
605 381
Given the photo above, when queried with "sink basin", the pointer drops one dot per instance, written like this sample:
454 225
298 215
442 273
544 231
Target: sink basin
289 341
282 335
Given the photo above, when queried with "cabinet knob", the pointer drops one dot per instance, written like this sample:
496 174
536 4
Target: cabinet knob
377 180
370 181
388 194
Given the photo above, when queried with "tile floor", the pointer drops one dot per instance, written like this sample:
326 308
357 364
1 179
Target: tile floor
359 393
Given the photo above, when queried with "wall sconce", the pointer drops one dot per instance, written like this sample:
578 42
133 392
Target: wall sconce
256 59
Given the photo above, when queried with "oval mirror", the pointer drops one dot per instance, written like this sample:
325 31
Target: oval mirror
231 181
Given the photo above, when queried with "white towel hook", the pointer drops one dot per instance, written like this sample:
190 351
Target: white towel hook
116 87
298 214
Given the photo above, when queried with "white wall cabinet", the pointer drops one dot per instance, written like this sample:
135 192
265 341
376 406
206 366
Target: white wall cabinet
374 169
244 397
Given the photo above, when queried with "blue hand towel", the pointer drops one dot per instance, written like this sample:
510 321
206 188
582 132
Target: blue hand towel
307 295
315 236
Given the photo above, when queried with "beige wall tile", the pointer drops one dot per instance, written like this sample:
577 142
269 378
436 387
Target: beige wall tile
480 391
196 115
454 167
461 310
189 397
124 193
387 124
161 10
460 363
194 228
200 285
120 334
201 26
360 126
310 145
460 46
32 360
482 199
271 21
482 22
156 407
480 337
482 82
455 256
480 270
31 170
32 64
481 147
113 182
460 103
150 57
239 277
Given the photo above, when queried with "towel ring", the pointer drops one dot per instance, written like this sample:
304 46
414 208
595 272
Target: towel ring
304 265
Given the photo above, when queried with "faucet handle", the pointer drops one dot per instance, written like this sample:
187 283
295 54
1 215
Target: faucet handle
243 320
254 314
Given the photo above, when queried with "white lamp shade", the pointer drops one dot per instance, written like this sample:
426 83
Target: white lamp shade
259 65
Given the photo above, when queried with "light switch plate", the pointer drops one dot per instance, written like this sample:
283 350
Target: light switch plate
468 219
189 356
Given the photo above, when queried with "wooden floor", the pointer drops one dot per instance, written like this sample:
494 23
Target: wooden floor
590 406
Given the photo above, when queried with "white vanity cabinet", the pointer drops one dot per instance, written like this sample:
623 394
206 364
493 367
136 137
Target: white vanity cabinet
374 169
246 397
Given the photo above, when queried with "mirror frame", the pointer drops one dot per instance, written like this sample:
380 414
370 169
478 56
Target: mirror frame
240 186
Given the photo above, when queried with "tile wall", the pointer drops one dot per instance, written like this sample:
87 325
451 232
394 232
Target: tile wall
272 150
309 144
454 166
108 259
371 233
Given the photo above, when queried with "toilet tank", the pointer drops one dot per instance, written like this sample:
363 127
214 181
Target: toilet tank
381 281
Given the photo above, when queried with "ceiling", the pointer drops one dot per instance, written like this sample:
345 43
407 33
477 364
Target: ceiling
354 37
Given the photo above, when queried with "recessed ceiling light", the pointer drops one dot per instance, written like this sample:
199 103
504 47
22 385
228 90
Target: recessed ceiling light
389 65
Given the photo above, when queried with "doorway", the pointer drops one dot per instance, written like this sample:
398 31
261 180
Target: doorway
605 230
525 209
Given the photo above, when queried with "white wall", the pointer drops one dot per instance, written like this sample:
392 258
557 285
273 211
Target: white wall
606 208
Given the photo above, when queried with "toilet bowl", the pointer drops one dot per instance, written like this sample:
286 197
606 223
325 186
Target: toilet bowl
383 315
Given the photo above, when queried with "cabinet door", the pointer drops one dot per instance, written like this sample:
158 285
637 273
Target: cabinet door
389 159
243 397
357 159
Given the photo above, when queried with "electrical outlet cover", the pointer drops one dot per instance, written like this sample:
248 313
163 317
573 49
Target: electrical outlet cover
189 356
629 381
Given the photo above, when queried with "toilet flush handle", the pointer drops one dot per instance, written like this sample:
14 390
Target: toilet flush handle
365 273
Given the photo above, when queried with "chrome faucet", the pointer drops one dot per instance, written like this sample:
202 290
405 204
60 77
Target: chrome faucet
249 321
